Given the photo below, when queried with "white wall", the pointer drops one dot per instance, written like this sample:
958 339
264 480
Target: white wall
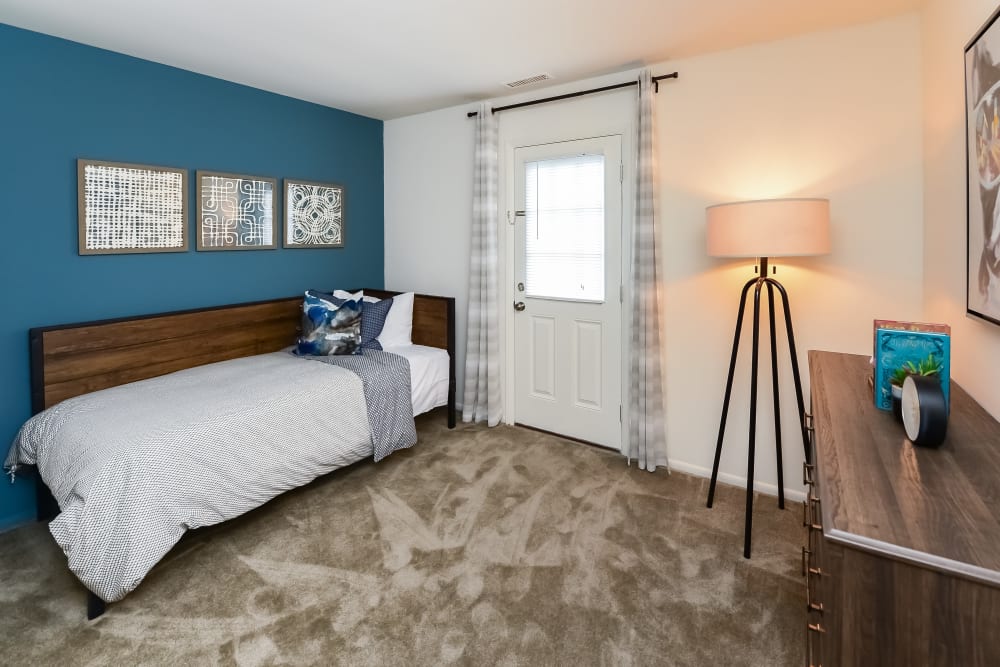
947 26
428 203
833 114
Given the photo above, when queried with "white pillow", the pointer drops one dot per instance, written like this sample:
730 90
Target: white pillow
398 328
341 294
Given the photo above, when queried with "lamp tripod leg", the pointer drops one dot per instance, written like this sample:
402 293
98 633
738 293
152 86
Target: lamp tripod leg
795 369
729 390
776 395
747 530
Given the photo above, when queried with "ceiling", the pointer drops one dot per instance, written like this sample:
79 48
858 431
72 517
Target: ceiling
391 58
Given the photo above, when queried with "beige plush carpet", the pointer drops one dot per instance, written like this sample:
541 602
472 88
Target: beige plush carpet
478 546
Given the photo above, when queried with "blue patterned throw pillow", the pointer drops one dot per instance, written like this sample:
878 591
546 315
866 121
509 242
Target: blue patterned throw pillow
329 328
373 315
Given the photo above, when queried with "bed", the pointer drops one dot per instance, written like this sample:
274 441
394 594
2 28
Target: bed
144 461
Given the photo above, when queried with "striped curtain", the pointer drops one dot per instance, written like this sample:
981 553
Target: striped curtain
646 434
481 400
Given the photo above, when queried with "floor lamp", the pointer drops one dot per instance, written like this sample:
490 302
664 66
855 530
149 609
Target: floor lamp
765 229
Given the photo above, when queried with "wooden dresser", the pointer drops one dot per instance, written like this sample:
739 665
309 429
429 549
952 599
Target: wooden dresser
902 555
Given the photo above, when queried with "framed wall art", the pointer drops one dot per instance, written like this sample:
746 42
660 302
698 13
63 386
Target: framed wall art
314 214
236 212
982 117
131 208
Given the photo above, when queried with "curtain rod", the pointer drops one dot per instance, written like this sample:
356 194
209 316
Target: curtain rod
656 83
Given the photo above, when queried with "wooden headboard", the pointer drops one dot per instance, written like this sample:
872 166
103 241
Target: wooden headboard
73 359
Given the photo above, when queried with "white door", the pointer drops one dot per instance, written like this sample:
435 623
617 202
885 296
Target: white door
567 274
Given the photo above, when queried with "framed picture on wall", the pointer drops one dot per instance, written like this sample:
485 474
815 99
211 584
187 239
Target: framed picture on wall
314 214
236 212
129 208
982 117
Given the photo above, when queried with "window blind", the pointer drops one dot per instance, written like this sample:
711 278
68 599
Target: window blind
564 230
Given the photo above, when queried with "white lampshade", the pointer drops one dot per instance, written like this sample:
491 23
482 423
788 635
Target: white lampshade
769 228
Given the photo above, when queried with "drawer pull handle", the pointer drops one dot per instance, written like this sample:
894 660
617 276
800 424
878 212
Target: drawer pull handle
807 567
807 473
814 523
807 571
817 628
807 422
808 520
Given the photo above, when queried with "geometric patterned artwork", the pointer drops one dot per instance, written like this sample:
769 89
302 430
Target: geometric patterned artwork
236 212
314 215
127 208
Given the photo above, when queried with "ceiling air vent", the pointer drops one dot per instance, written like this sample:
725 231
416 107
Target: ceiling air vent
528 81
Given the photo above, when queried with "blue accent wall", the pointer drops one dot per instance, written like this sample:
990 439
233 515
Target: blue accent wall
59 101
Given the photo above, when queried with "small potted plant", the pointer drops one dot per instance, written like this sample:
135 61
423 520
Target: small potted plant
929 366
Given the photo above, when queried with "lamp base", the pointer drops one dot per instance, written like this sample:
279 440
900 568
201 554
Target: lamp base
759 283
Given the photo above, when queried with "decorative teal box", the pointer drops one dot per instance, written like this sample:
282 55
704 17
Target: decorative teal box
893 348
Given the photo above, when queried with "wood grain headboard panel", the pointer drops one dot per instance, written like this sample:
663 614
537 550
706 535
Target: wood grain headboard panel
73 359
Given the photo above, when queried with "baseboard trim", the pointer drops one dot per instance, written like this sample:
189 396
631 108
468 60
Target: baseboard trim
736 480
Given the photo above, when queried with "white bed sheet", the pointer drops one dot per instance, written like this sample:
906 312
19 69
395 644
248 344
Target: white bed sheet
428 375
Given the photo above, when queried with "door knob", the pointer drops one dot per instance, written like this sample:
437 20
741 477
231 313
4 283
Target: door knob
519 306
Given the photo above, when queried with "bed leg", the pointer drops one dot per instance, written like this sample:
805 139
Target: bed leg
95 606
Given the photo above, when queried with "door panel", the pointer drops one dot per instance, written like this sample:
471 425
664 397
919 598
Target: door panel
567 268
543 342
587 346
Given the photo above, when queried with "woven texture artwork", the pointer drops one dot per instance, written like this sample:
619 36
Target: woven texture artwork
236 212
132 208
315 215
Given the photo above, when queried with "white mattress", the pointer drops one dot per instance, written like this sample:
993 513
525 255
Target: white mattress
428 375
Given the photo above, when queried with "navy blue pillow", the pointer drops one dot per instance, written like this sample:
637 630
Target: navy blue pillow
372 322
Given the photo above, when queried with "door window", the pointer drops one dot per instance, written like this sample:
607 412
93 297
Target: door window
564 230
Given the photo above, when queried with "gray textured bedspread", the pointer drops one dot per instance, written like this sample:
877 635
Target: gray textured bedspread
135 466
